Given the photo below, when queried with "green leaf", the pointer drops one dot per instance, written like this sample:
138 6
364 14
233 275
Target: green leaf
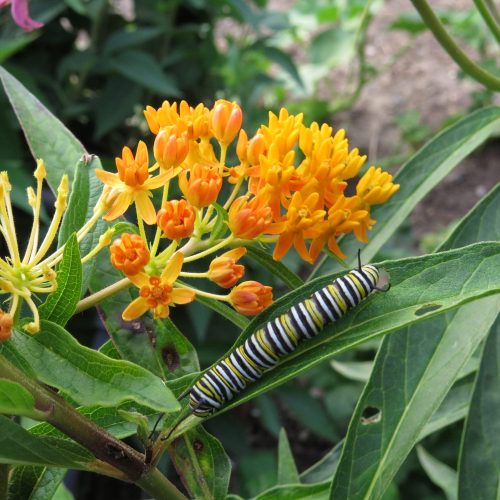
220 226
332 47
88 376
142 68
174 348
18 446
60 304
78 204
62 493
120 40
224 310
317 491
325 468
421 173
439 473
425 359
47 137
287 470
479 463
35 483
284 60
202 464
16 400
447 279
353 370
263 258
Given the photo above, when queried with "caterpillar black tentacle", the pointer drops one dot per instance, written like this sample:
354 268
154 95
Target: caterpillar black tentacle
279 337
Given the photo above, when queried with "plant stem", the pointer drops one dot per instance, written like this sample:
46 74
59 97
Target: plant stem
97 297
489 18
101 443
159 487
454 51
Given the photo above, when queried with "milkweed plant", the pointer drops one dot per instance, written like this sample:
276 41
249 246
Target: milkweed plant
176 219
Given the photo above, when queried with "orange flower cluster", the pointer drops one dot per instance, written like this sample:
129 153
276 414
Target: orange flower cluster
288 189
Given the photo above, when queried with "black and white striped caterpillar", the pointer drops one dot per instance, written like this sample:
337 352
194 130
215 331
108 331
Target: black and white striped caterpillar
278 338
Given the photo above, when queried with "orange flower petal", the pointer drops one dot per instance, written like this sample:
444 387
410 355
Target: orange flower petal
173 268
139 280
182 296
108 178
135 309
145 206
120 205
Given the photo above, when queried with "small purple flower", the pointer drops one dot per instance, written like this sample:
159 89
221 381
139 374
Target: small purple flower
20 14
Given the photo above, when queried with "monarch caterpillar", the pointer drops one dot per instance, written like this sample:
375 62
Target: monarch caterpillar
278 338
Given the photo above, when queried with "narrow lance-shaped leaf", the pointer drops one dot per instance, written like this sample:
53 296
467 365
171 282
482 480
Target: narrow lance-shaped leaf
422 172
16 400
202 464
439 473
88 376
287 470
47 137
424 359
479 464
60 304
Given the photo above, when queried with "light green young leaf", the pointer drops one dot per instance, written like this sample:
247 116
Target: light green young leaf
60 304
324 469
87 376
439 473
353 370
422 172
287 470
479 463
18 446
202 463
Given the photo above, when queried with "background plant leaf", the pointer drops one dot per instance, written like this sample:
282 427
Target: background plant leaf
287 470
479 463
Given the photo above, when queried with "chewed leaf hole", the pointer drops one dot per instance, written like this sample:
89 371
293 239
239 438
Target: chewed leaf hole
371 415
427 309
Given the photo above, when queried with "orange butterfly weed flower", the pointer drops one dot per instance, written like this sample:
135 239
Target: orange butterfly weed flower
157 292
302 220
6 322
251 297
201 184
226 119
344 216
224 269
376 186
248 219
170 148
129 254
176 219
132 184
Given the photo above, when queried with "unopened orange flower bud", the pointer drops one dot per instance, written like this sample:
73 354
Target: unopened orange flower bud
176 219
224 271
129 254
202 186
170 149
6 322
241 146
256 147
251 297
226 120
249 219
